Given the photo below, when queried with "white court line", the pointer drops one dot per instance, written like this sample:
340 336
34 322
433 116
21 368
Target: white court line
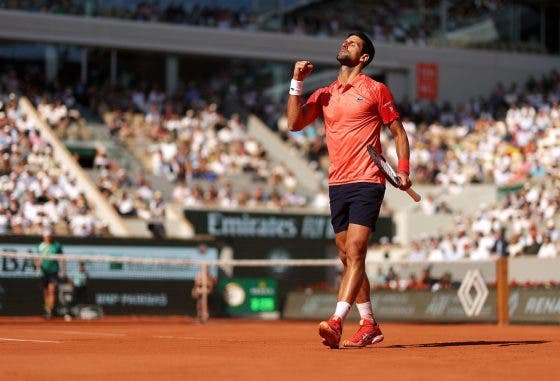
30 340
79 332
86 333
195 338
180 337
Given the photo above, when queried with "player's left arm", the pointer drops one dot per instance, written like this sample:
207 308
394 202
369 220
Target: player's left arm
403 152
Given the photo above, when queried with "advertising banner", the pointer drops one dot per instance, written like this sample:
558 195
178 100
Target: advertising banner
24 268
422 306
534 305
269 226
23 297
427 80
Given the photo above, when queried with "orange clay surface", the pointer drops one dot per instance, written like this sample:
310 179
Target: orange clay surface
179 349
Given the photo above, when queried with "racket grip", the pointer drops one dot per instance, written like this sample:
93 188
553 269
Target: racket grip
415 196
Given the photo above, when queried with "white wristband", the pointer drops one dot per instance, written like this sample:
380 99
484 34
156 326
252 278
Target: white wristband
296 87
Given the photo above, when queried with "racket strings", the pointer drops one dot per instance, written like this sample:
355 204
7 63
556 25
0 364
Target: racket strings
384 166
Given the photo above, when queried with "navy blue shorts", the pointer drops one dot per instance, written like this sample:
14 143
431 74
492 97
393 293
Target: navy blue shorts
355 203
46 279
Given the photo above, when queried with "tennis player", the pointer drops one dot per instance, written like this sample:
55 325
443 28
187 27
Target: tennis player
354 109
48 270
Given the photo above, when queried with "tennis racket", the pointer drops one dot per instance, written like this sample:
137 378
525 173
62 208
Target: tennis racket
389 172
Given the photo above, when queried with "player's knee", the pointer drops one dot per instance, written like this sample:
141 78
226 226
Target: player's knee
355 259
356 247
343 257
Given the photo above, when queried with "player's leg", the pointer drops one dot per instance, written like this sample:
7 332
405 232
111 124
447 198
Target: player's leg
364 213
357 238
363 301
352 247
369 331
331 330
45 287
363 293
50 298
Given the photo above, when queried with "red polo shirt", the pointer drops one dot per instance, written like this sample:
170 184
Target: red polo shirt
353 116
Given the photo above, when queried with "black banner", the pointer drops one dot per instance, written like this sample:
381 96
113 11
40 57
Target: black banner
24 296
269 226
21 296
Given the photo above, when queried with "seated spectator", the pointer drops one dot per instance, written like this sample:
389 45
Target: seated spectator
101 161
548 249
79 280
416 252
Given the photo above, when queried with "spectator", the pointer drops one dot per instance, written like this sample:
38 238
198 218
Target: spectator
548 249
203 287
500 246
157 216
79 280
426 278
444 283
416 252
50 271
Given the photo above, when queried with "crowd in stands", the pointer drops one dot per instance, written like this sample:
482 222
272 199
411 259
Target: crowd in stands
524 222
510 138
130 196
208 154
35 192
401 21
62 117
392 280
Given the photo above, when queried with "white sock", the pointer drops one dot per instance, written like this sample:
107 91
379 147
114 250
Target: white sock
342 309
366 312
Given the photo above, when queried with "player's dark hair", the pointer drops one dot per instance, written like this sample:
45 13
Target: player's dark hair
368 48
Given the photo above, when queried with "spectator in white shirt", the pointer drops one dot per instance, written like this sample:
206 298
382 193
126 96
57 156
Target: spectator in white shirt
548 248
416 252
436 253
82 225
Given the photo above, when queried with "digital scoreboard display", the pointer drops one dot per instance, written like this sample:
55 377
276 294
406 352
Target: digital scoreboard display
249 296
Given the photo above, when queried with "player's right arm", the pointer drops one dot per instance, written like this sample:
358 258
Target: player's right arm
300 115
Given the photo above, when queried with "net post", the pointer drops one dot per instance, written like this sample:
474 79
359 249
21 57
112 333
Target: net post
502 290
204 296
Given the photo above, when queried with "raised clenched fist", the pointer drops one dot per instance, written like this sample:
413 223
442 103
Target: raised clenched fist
302 69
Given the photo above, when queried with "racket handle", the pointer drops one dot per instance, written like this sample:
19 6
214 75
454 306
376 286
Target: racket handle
415 196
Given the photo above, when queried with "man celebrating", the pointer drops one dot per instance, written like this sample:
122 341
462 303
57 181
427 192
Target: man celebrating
49 269
354 109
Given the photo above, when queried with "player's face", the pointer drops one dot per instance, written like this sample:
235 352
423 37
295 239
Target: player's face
350 51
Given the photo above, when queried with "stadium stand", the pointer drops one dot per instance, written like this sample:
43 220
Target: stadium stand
476 24
36 192
194 144
175 134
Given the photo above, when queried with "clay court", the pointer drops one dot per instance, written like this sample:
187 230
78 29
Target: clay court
179 349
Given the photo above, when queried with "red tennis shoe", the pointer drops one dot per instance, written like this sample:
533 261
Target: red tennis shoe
367 334
331 331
